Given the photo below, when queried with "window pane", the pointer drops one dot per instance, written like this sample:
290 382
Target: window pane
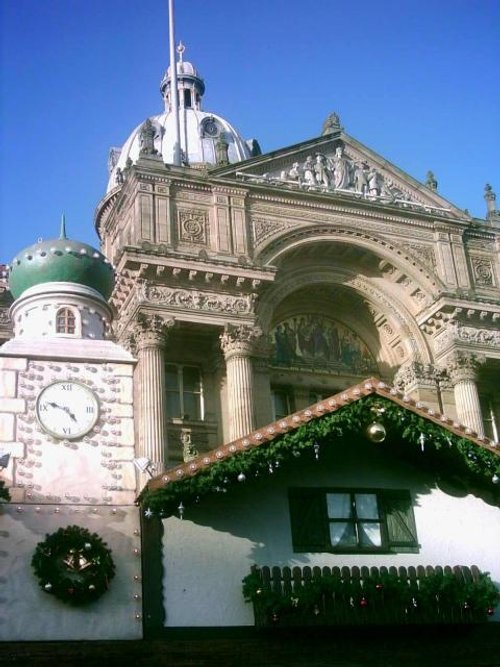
369 535
173 405
191 379
281 404
171 377
339 505
342 534
191 406
366 505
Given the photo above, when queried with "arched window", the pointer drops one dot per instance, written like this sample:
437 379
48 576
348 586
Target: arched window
65 321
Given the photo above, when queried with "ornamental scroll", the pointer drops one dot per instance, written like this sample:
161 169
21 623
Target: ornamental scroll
196 300
319 343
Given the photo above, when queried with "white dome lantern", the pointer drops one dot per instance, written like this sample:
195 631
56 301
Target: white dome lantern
200 131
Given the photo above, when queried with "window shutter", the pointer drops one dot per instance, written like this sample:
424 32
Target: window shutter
400 520
308 520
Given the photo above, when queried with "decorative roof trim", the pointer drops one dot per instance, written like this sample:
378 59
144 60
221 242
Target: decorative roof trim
265 434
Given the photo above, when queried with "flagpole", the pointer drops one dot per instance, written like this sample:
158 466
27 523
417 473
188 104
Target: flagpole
174 91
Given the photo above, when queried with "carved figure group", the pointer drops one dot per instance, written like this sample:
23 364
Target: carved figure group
340 173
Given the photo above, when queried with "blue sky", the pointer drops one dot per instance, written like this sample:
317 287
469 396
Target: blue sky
415 80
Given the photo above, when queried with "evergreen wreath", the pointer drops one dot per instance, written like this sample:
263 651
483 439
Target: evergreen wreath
74 565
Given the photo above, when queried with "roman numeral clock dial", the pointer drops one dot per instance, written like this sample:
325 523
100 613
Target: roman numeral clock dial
67 409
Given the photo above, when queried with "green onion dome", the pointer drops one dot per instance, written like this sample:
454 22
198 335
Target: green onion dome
61 260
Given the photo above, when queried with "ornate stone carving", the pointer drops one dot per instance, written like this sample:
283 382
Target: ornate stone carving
196 300
415 373
431 181
239 340
348 174
488 337
147 135
331 124
422 252
264 228
189 451
193 226
151 330
463 366
483 271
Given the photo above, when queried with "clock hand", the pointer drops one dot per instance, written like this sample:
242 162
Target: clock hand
69 413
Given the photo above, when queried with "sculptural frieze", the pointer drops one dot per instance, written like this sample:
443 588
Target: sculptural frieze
344 173
197 300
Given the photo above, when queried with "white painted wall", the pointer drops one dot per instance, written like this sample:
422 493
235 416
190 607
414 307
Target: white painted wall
207 554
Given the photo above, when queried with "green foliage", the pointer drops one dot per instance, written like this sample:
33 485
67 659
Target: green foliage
409 433
438 594
4 491
74 565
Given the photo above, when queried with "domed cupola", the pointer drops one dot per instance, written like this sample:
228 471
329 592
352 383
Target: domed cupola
204 137
60 287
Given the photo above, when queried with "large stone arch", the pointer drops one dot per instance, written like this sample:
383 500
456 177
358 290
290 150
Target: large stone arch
390 256
384 323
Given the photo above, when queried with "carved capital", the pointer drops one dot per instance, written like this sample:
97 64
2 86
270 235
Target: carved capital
151 330
414 374
463 366
240 340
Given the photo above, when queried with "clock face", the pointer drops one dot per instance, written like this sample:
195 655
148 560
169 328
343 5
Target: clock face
211 128
67 409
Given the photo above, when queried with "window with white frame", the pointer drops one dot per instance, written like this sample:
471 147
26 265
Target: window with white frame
352 520
184 392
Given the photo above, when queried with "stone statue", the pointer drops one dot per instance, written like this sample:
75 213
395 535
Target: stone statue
360 180
146 138
119 177
373 182
342 171
309 176
221 150
331 124
294 173
189 451
431 181
321 172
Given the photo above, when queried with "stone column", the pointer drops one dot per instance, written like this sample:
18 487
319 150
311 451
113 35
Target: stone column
237 343
463 370
150 337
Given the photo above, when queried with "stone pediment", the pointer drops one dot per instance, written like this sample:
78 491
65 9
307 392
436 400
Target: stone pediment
337 164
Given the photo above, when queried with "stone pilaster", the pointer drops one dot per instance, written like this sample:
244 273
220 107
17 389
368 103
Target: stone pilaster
419 381
238 343
150 336
463 369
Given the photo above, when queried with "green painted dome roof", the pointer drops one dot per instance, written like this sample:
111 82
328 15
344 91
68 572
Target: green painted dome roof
61 260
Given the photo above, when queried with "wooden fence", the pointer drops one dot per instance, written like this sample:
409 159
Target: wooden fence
368 595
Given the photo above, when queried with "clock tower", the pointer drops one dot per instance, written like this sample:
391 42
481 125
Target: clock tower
67 422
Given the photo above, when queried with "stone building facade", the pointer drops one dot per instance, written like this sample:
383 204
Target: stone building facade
288 276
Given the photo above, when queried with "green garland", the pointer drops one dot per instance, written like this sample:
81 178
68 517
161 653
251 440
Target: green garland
409 433
437 594
74 565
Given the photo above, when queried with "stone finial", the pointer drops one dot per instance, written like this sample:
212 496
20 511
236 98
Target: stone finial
331 124
431 182
490 198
